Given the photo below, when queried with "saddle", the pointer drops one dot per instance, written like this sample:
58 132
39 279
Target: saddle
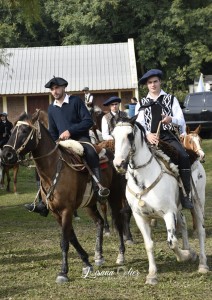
73 152
170 151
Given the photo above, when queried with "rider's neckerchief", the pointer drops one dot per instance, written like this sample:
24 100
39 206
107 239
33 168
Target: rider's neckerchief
152 114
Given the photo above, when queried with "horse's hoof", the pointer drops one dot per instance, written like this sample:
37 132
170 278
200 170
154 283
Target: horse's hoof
120 259
62 279
129 242
87 270
203 269
152 281
99 262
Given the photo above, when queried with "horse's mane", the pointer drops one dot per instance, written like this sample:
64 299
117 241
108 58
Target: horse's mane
43 118
22 117
143 132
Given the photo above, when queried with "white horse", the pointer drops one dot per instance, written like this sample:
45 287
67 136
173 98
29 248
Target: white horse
153 191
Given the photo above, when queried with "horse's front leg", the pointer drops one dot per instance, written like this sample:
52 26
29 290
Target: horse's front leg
181 255
182 226
82 253
120 228
66 223
199 220
106 224
94 213
126 215
63 275
145 228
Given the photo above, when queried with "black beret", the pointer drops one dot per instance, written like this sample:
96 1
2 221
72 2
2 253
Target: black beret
86 88
3 114
112 100
56 81
150 73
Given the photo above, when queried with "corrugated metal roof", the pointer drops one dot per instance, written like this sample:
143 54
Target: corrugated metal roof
100 66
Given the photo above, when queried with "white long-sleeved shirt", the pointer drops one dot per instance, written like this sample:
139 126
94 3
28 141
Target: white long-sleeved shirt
90 98
177 118
105 129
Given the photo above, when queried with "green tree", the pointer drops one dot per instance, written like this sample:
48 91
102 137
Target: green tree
171 35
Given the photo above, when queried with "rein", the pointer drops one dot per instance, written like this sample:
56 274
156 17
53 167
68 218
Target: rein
30 136
163 170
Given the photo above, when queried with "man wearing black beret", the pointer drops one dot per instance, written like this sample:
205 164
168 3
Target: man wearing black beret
159 106
69 118
5 129
109 120
88 99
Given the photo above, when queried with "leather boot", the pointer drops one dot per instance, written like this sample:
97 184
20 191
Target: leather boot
185 175
103 193
40 208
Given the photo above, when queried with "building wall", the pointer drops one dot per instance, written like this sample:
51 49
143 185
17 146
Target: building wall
37 102
15 106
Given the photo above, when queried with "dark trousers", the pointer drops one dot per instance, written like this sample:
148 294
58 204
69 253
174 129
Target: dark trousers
183 159
91 156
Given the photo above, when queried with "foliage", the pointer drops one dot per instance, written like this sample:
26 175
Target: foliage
171 35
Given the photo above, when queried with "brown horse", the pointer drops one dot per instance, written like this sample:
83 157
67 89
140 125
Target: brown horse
126 210
192 141
63 184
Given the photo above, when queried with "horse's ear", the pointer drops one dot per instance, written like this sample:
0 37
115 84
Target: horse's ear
22 117
43 118
133 119
198 129
187 129
35 116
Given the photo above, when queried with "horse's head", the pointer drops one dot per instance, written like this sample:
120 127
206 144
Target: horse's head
192 141
23 139
123 134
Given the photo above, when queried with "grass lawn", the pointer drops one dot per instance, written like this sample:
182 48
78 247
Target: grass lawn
30 256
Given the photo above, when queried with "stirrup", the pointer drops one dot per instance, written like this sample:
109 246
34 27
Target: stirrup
104 192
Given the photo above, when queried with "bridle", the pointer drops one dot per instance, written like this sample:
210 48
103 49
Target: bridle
133 148
35 130
133 167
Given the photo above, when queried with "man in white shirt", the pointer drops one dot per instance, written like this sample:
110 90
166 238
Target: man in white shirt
110 119
88 99
156 107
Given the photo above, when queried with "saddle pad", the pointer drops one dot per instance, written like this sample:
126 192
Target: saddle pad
87 195
73 145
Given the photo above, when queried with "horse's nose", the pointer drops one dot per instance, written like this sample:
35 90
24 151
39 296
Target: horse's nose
202 158
201 155
120 165
7 156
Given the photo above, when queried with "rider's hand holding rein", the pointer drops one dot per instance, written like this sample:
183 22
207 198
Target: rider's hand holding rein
152 138
65 135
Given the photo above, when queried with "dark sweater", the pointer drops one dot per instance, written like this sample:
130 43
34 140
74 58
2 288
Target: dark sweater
73 117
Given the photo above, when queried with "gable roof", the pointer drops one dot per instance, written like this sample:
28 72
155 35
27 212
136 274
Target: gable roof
99 66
